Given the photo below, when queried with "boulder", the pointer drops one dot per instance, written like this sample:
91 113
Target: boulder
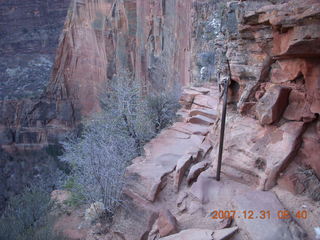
201 120
187 97
270 107
94 212
60 196
279 152
195 171
167 223
182 165
298 108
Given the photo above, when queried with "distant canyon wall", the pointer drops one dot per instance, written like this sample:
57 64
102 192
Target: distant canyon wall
150 39
29 33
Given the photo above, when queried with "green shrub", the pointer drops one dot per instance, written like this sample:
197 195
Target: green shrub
76 197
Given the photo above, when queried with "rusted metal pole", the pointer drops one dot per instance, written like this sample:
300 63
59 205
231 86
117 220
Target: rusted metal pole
223 124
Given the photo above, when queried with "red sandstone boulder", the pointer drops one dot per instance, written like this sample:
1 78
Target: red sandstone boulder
167 223
187 97
182 165
283 143
298 108
195 171
290 181
270 107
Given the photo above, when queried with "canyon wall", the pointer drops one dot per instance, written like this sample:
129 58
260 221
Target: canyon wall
272 47
29 33
150 39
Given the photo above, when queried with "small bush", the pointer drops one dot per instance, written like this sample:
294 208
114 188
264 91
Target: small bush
111 139
27 217
76 197
162 108
311 182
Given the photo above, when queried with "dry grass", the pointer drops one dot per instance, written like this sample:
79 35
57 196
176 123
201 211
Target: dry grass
311 182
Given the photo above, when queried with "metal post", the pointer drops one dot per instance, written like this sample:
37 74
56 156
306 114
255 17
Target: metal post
223 124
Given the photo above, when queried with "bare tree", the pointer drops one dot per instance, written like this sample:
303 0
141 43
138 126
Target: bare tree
111 139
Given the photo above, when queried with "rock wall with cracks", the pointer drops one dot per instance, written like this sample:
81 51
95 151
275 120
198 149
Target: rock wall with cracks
274 60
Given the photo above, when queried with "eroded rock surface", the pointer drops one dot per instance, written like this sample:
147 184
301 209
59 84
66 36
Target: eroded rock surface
273 228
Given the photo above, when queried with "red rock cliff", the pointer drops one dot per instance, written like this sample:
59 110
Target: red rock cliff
149 38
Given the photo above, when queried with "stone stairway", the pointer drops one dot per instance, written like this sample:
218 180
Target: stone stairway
172 192
175 148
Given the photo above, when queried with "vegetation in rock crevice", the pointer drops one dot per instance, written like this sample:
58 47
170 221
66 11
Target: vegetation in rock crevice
310 181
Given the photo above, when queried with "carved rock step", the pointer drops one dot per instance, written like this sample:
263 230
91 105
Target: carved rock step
202 90
205 101
190 128
147 174
202 234
201 120
236 171
209 113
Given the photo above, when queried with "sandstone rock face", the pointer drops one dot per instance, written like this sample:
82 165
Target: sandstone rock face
102 37
271 106
261 43
309 152
255 155
81 61
163 46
